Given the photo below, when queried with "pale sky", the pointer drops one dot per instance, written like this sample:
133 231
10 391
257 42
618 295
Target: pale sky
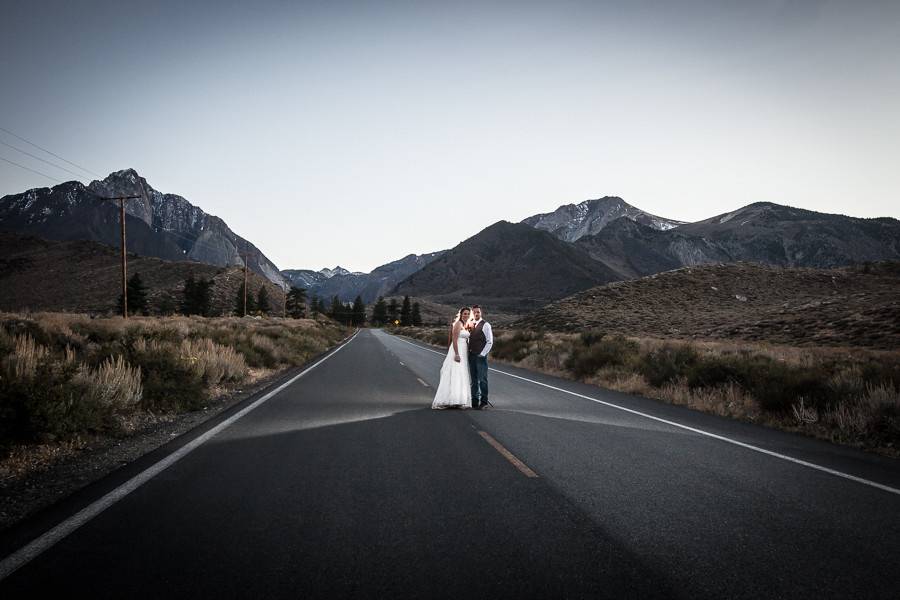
355 133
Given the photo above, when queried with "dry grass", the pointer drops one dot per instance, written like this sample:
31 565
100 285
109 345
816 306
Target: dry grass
115 384
213 362
846 395
64 376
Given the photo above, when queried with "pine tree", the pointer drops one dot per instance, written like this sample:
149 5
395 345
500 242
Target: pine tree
166 305
137 296
416 315
315 306
336 311
392 311
262 300
189 296
379 312
406 313
296 303
358 312
202 301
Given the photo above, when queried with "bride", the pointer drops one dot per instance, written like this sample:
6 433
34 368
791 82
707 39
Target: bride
455 388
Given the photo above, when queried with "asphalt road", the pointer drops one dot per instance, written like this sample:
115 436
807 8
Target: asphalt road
346 484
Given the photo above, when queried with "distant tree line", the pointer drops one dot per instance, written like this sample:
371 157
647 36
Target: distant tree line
196 299
390 313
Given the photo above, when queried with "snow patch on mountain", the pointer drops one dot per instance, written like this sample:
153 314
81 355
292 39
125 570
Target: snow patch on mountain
571 222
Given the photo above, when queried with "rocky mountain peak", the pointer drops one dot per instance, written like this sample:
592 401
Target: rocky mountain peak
161 225
337 270
571 222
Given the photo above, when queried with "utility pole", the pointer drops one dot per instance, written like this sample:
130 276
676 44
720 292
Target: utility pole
122 200
246 257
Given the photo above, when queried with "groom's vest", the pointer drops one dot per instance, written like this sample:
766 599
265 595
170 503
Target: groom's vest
477 339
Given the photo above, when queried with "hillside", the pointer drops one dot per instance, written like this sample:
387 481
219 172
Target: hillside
636 250
161 225
83 276
509 267
853 306
793 237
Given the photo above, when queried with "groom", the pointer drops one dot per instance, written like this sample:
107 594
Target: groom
481 339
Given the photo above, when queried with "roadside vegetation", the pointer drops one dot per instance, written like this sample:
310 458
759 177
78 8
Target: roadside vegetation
846 395
64 377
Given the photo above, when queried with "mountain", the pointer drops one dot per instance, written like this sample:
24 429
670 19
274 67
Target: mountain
303 278
160 225
782 235
574 221
510 266
329 273
307 278
635 250
346 285
83 276
763 232
847 306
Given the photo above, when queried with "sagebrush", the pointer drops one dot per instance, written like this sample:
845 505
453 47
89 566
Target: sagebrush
64 375
847 395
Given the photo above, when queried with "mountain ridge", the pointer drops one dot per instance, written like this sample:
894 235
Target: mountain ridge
511 266
160 225
571 222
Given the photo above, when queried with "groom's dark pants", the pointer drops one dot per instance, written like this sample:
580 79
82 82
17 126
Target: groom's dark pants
478 371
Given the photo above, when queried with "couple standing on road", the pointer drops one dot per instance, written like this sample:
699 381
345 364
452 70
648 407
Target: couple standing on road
464 374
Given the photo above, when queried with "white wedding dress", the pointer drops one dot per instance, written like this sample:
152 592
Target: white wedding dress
455 388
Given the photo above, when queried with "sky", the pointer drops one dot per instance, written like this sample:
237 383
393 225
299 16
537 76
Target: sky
355 133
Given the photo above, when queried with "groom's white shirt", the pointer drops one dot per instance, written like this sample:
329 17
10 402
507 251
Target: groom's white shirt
488 336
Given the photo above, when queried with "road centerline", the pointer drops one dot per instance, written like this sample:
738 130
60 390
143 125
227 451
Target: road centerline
512 458
709 434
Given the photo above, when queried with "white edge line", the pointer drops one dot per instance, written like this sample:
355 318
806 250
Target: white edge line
722 438
32 550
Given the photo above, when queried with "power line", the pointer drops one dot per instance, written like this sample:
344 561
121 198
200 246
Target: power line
41 159
54 179
96 195
193 242
19 137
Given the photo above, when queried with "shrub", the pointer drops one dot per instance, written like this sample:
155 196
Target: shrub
585 360
171 383
27 355
43 398
591 336
515 347
438 337
666 364
63 375
711 371
114 386
213 363
777 385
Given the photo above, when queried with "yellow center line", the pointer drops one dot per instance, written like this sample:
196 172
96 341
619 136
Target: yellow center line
526 471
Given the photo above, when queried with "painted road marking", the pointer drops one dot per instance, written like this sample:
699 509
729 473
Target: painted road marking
527 472
35 548
715 436
422 382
